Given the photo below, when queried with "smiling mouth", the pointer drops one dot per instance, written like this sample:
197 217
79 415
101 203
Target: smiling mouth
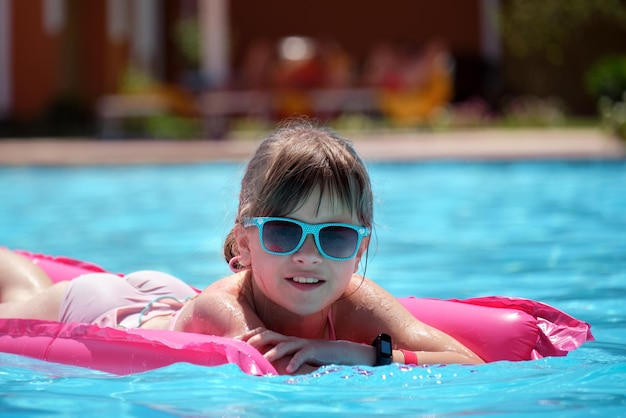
305 280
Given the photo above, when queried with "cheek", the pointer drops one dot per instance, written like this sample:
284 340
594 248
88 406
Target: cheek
259 259
359 255
345 270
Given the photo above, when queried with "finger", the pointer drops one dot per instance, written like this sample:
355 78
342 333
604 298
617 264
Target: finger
268 337
308 355
295 363
281 349
251 333
263 338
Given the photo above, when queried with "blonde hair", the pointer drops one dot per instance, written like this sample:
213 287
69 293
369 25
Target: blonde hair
290 164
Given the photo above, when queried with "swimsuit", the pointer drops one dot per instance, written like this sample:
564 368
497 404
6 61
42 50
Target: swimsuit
108 300
331 327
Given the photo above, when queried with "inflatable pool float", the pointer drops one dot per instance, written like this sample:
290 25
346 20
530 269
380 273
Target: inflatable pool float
496 328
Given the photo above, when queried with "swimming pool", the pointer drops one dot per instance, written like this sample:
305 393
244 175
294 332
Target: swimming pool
551 231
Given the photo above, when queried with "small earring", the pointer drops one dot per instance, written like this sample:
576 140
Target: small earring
235 264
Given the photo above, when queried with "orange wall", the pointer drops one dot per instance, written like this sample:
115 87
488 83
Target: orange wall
101 62
35 59
80 61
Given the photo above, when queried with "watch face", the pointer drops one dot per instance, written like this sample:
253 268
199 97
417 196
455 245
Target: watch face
384 350
385 347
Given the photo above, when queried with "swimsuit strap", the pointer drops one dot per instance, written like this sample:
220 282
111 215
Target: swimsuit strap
331 327
155 300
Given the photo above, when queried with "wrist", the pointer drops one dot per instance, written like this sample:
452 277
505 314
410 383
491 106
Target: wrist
383 350
408 357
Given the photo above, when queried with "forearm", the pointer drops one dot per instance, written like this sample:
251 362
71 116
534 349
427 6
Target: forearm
350 353
315 353
359 354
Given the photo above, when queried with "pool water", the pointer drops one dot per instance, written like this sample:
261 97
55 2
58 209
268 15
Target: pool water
551 231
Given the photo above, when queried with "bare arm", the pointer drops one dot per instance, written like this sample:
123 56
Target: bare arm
372 310
358 319
294 355
217 313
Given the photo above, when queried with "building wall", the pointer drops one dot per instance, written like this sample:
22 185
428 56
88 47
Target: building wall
78 61
36 60
359 25
101 60
81 59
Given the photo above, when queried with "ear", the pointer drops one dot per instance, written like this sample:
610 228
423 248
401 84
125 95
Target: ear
359 254
243 243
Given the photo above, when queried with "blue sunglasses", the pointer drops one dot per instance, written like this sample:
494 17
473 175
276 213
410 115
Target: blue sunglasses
285 236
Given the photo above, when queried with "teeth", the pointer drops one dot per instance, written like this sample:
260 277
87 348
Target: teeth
305 280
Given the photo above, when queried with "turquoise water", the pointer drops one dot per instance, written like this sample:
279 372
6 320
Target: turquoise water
552 231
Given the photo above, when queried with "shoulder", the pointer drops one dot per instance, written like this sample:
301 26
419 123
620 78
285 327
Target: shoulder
226 291
366 310
222 308
365 293
370 310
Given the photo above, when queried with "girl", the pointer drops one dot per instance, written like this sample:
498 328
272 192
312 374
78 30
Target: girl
302 228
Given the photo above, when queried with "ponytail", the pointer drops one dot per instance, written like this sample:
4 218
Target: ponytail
231 249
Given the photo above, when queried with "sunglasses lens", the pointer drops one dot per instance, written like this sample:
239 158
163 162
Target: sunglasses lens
281 236
338 241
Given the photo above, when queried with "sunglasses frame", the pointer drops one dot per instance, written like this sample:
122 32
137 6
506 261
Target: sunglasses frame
307 229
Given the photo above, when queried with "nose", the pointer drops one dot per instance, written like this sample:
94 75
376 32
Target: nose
308 253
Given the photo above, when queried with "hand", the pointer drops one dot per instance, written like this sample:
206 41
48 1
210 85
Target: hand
307 351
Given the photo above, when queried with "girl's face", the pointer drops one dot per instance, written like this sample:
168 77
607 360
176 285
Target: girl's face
304 282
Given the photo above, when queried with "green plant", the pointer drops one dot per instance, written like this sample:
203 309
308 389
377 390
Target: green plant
606 81
534 111
613 115
187 38
607 78
134 80
546 26
172 127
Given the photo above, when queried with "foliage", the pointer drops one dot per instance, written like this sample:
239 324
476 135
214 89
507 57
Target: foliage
474 112
606 81
176 121
134 80
187 38
172 127
534 111
613 115
545 26
607 78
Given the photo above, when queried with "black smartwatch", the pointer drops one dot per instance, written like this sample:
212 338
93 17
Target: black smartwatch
384 351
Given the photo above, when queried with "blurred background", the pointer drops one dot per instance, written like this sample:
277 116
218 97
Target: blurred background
210 69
